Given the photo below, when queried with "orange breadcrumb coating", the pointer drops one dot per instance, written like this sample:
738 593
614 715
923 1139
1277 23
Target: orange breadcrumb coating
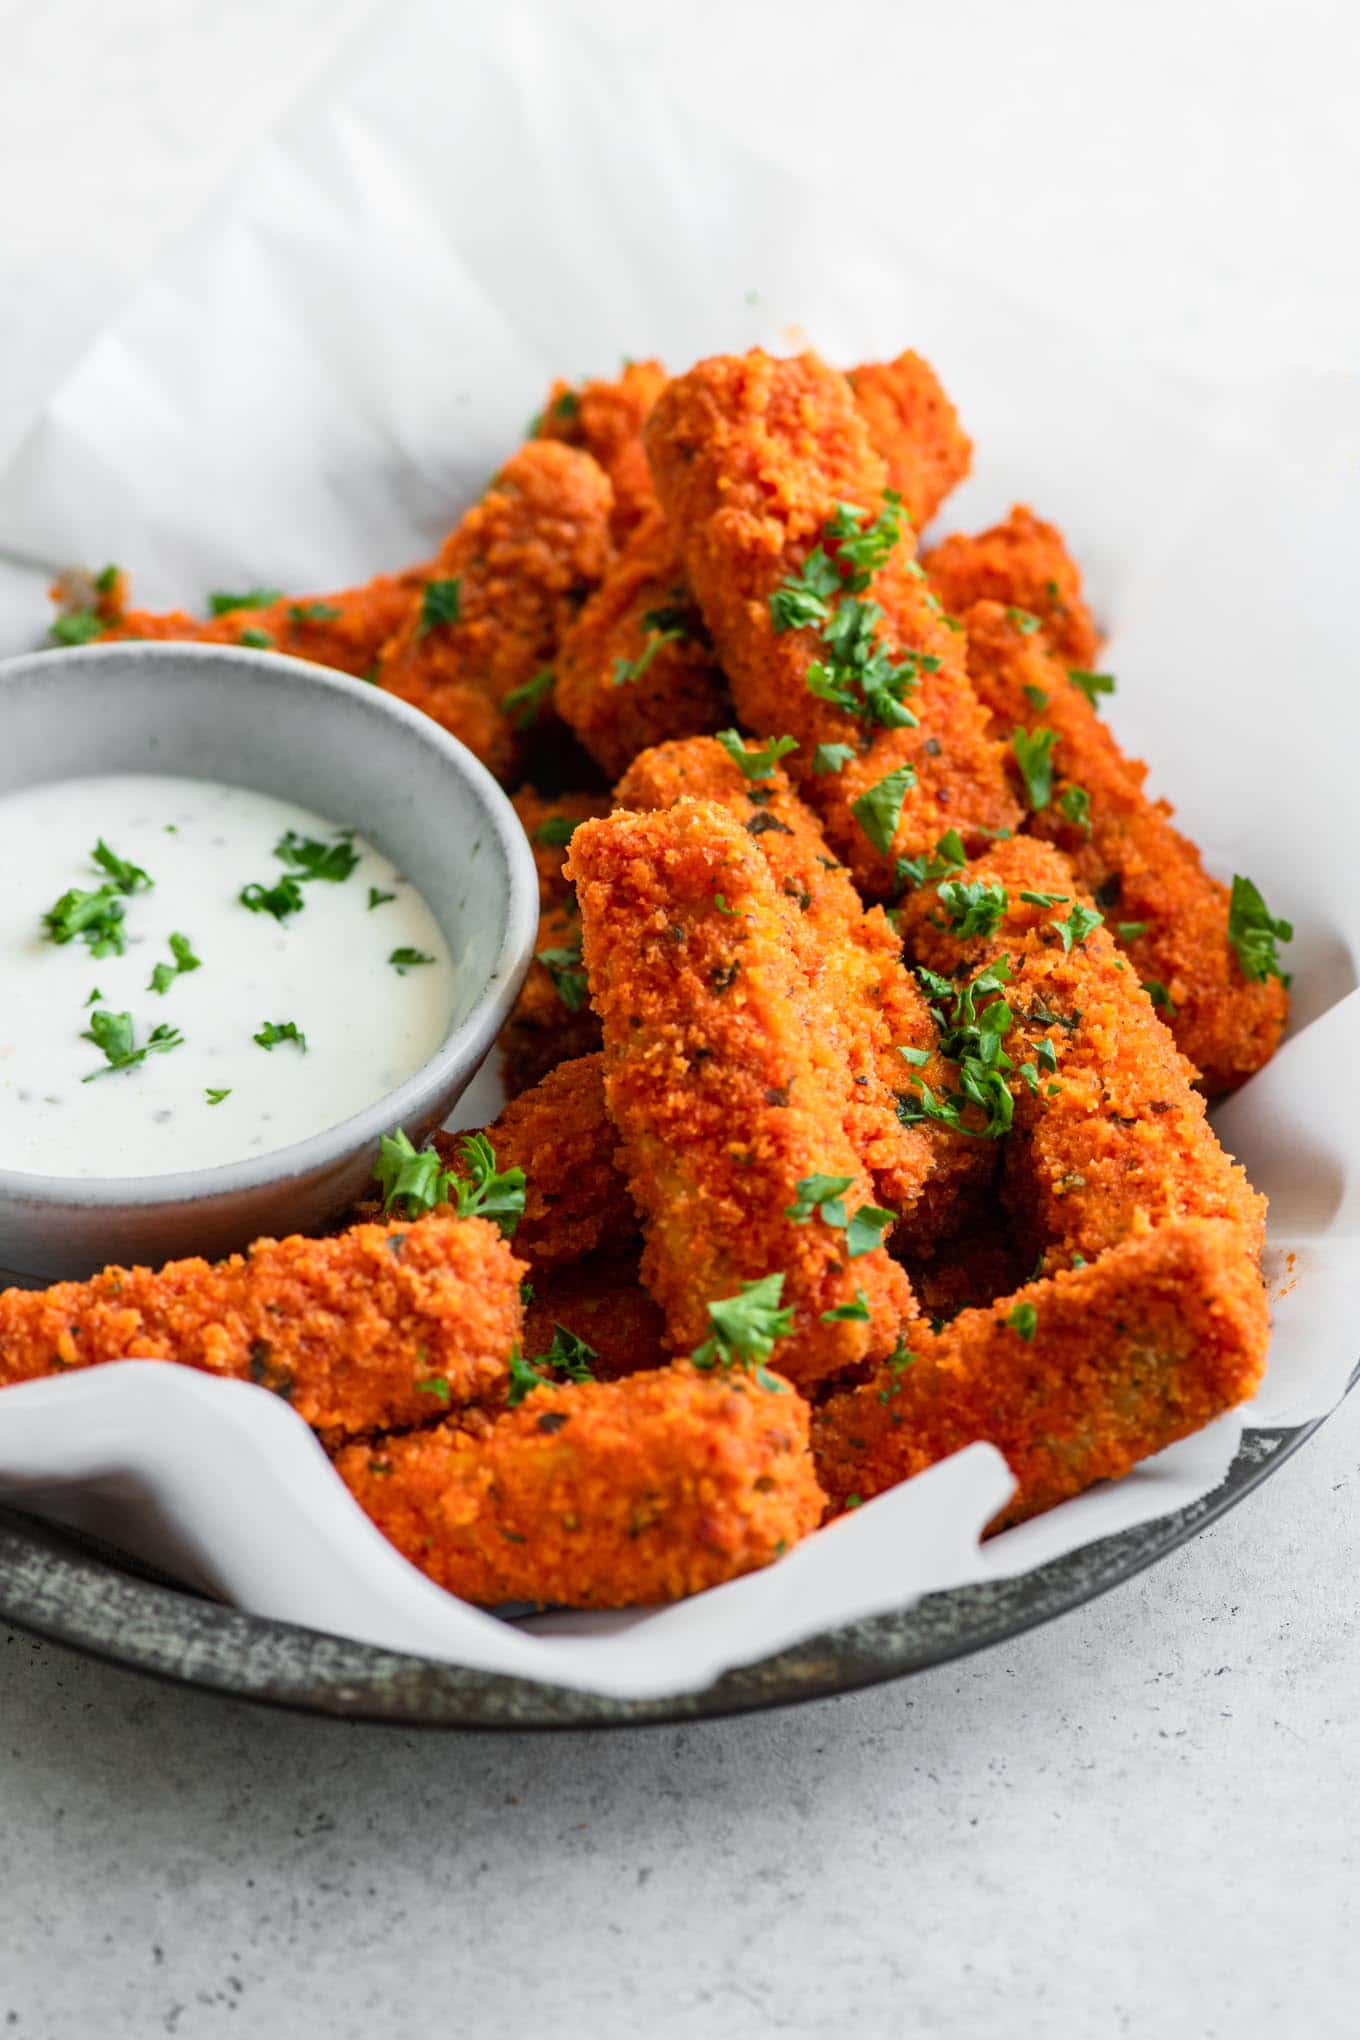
1116 1142
524 557
607 1495
575 1197
914 429
551 1021
751 458
1127 1355
1022 562
380 1325
868 1004
722 1091
679 692
605 420
1143 872
346 629
603 1301
545 821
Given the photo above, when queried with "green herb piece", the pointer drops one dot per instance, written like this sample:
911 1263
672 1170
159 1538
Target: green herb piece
897 1363
866 548
972 1034
1159 995
216 1097
626 671
280 900
96 918
854 1502
436 1385
78 627
917 1057
831 758
858 675
1037 697
1092 685
95 996
803 600
275 1031
1046 899
311 859
486 1191
824 1195
410 1176
440 603
948 856
313 612
568 1355
1074 802
745 1329
1024 1319
569 979
1024 620
1254 931
1034 755
406 958
113 1034
760 763
879 810
522 704
568 404
1129 931
973 908
556 831
129 878
221 604
257 640
1078 925
720 902
164 974
866 1229
377 898
856 1312
106 580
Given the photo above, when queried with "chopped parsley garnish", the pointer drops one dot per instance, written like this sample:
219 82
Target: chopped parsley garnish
216 1097
78 627
856 1312
377 898
948 856
113 1034
1025 621
280 900
760 763
1074 802
897 1363
436 1385
971 1036
106 580
95 996
745 1328
1024 1320
439 605
221 604
568 1355
556 831
313 612
129 878
1078 925
1045 899
1254 931
523 703
275 1031
975 907
1034 755
1129 931
1159 995
824 1195
164 974
257 640
1092 685
569 979
1037 697
311 859
416 1178
406 959
626 671
95 917
832 758
879 810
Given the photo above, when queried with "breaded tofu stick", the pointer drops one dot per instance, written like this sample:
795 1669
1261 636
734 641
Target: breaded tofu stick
481 636
1024 563
381 1325
1170 916
1074 1379
552 1020
726 1101
915 431
1110 1138
636 667
604 1495
346 629
605 420
870 1005
575 1197
548 823
820 616
602 1301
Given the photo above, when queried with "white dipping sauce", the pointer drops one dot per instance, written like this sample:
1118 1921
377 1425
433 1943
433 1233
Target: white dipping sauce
368 1025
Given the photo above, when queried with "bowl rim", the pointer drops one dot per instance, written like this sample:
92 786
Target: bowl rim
464 1047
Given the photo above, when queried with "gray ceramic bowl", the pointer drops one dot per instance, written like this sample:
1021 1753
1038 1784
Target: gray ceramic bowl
342 748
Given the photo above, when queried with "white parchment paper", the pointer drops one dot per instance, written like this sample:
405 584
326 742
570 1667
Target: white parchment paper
318 380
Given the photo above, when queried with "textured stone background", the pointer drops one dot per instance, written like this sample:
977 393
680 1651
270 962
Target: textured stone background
1139 1821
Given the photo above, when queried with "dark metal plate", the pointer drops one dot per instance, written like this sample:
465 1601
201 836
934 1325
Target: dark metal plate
77 1592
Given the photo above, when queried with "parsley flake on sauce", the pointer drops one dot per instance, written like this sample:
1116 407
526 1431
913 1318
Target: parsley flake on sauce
311 859
164 974
280 900
377 898
216 1097
406 959
275 1031
94 918
114 1035
129 878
